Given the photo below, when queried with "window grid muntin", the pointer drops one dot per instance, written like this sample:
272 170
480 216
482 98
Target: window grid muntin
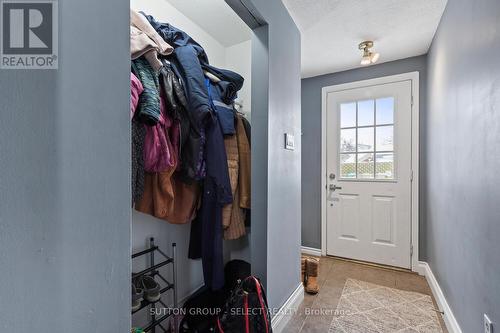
356 152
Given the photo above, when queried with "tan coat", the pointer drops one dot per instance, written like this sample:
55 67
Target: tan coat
231 145
144 40
245 172
236 228
233 219
168 198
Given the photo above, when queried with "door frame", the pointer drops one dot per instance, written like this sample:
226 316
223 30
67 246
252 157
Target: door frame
413 77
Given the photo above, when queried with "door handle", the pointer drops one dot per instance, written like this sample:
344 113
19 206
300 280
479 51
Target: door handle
334 187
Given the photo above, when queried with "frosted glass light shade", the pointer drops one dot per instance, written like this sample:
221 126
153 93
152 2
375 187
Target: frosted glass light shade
365 60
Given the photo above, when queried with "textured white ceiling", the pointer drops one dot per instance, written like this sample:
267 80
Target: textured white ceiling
332 29
216 18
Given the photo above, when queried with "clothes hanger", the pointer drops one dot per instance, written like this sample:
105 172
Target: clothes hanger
211 77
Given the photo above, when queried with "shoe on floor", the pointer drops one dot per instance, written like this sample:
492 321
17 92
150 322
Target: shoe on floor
312 270
150 287
137 297
303 271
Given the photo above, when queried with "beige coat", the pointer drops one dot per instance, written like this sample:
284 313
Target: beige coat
144 40
245 174
238 161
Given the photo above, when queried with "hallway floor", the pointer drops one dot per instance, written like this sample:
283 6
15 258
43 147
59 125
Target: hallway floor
337 278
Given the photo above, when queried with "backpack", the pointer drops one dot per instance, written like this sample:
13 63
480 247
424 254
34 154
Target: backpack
205 299
212 301
235 271
246 310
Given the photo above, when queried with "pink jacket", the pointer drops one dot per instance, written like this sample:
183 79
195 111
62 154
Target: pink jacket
161 145
136 89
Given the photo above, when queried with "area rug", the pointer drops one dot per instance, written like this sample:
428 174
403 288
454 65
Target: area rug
369 308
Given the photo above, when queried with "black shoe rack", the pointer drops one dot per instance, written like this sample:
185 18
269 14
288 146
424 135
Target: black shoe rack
153 271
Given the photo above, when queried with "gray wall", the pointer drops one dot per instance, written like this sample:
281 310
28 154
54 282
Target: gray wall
463 158
284 185
64 183
276 173
260 133
311 138
64 180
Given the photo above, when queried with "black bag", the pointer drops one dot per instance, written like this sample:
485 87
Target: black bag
236 271
203 307
201 311
246 311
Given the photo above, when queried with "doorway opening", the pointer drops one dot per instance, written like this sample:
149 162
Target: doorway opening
216 30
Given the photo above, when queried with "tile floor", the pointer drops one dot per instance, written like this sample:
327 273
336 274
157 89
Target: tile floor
316 312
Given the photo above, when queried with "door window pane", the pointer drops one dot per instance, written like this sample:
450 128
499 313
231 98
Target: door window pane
365 139
365 166
347 115
347 140
348 166
385 138
366 116
385 111
385 166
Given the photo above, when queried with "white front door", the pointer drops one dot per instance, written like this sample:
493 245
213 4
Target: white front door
368 152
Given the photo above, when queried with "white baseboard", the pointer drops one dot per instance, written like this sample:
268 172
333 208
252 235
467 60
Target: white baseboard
281 318
448 317
311 251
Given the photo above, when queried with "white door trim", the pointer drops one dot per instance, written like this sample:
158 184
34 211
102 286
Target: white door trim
414 78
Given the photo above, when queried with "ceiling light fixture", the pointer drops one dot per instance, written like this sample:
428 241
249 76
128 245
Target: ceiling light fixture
369 57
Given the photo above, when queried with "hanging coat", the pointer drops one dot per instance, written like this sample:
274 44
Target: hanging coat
206 230
159 152
187 61
190 139
238 159
245 174
148 110
231 146
144 40
138 135
168 198
230 82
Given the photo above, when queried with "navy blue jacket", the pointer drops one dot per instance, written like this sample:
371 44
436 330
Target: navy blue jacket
189 62
188 57
206 230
